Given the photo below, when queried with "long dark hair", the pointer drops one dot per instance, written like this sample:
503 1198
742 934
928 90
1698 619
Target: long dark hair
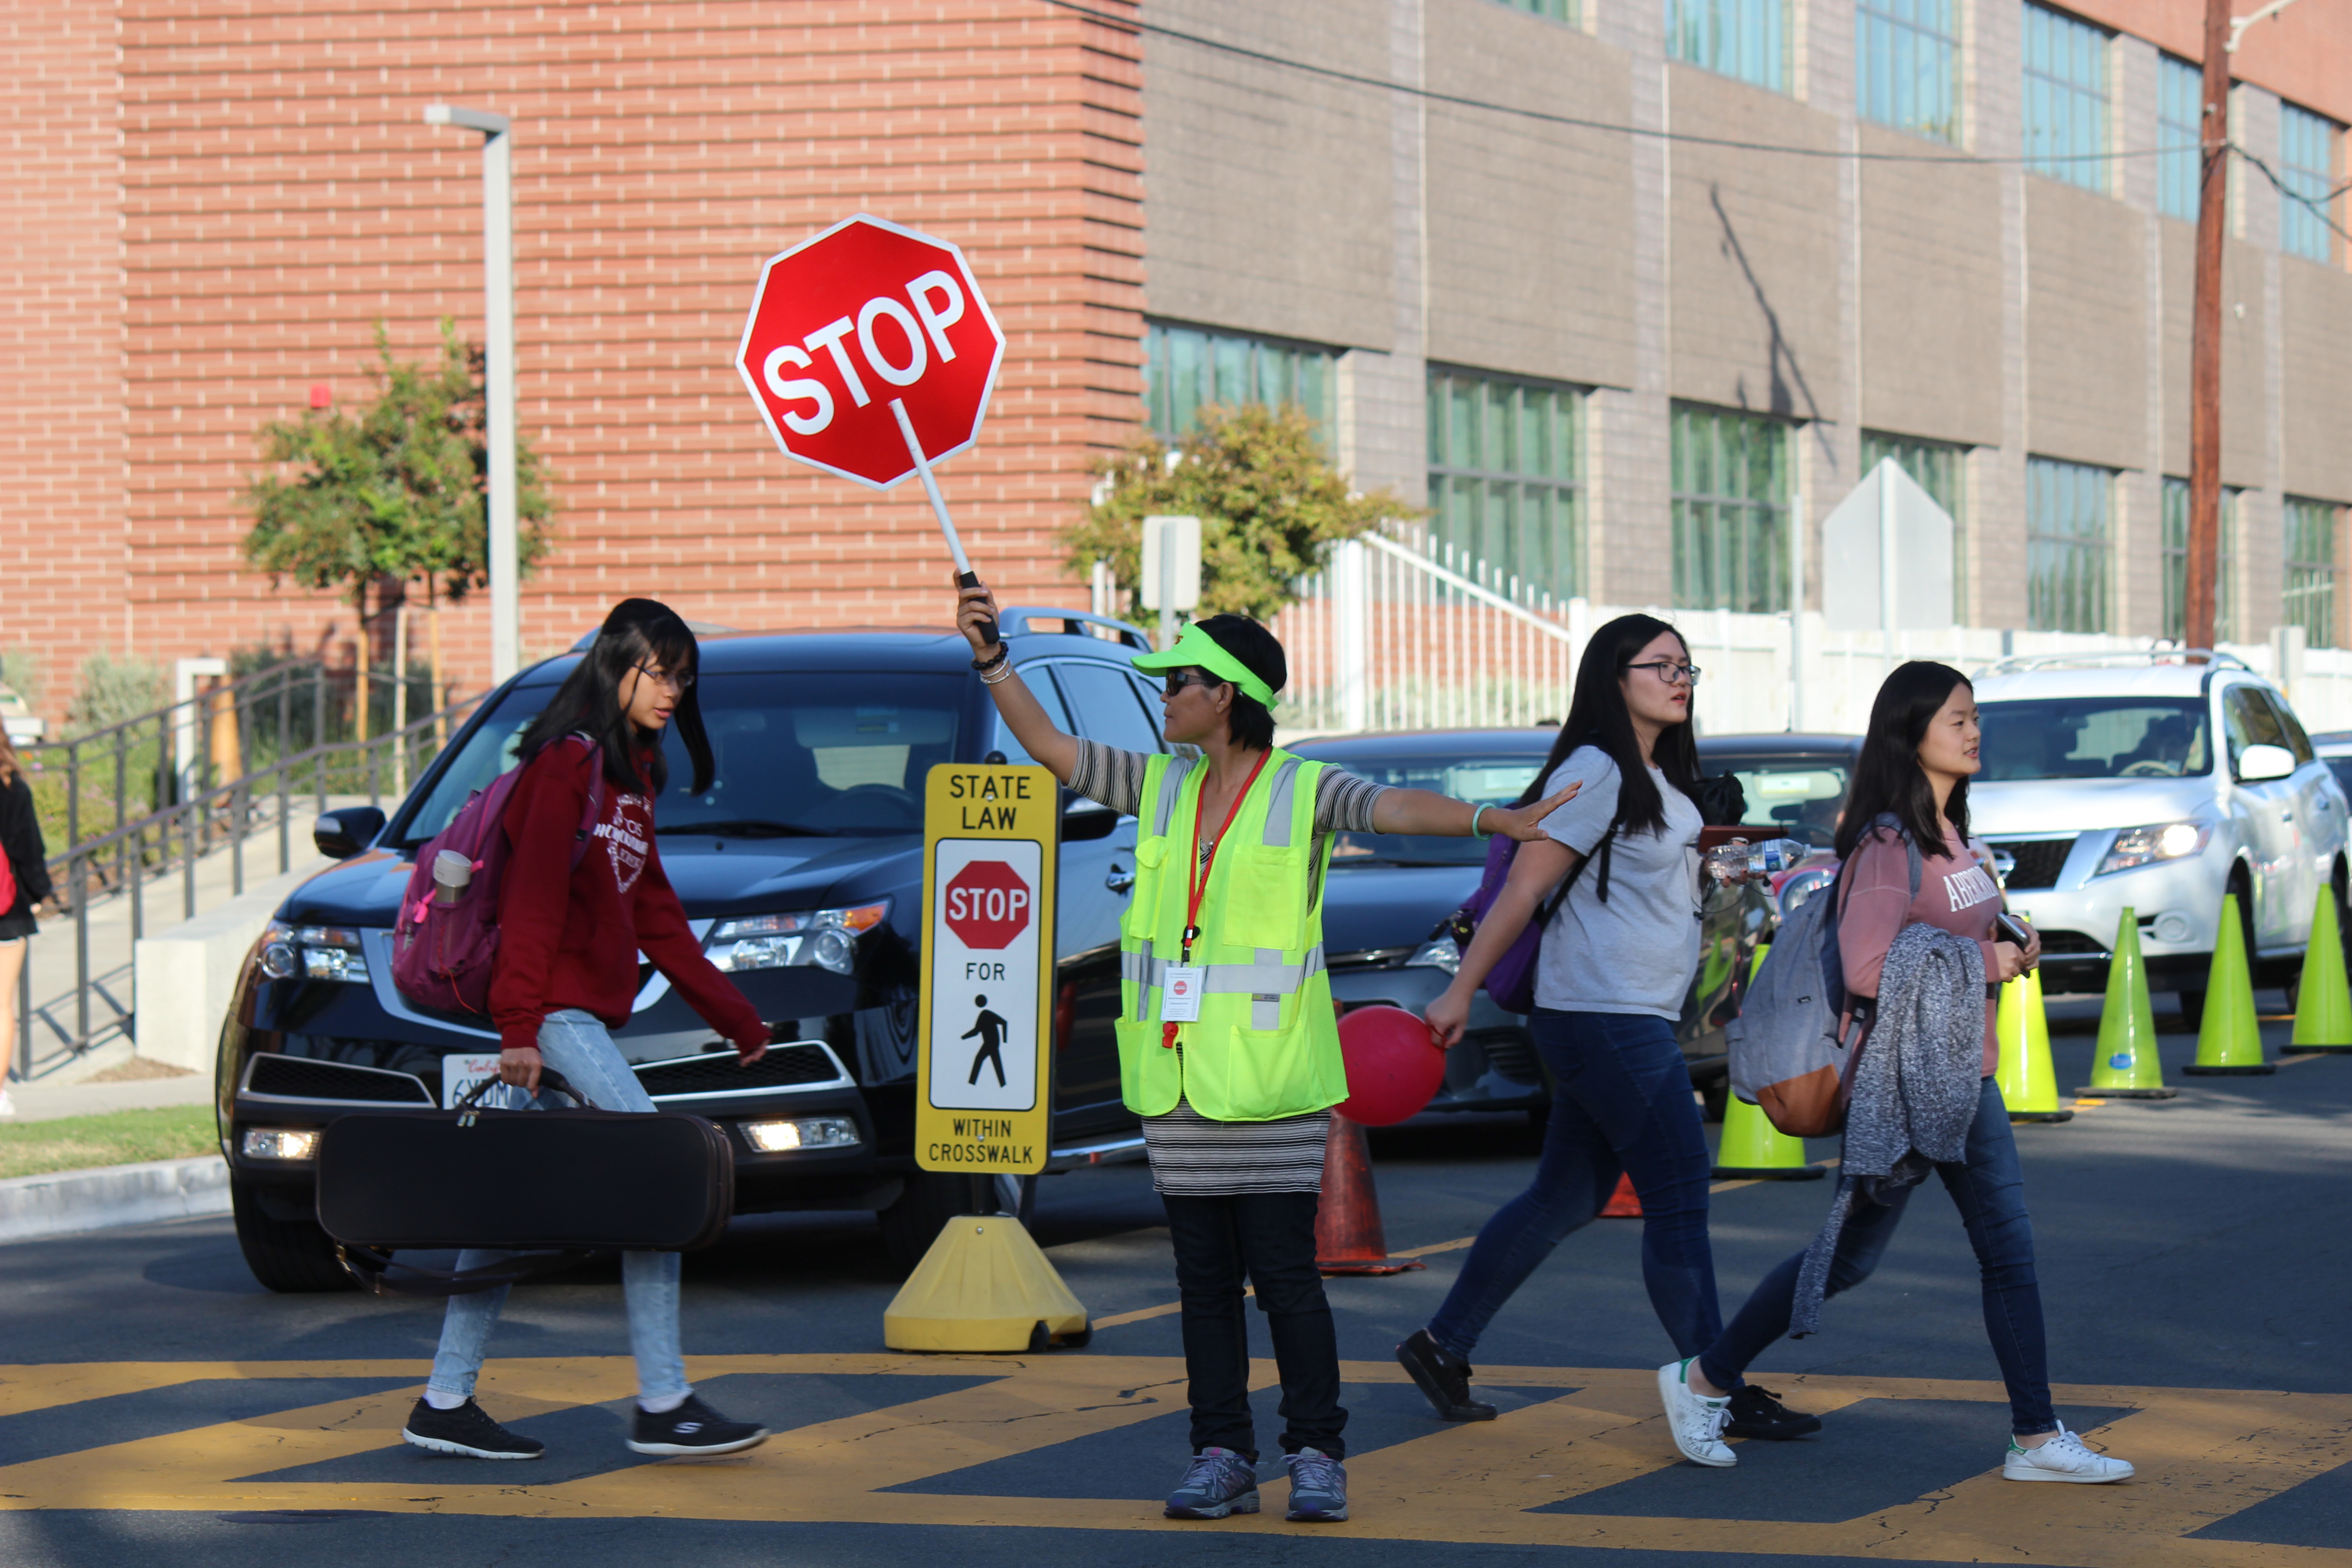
637 632
1888 777
1598 716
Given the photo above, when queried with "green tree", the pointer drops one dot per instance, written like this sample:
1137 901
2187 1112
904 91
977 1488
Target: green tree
395 492
1269 502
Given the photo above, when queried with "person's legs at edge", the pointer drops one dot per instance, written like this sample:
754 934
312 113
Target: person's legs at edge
1221 1478
12 966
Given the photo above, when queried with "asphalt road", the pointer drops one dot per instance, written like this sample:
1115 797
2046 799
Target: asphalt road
2194 1258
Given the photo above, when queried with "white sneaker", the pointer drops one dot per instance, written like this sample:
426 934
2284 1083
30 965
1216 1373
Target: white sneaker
7 1105
1697 1423
2063 1458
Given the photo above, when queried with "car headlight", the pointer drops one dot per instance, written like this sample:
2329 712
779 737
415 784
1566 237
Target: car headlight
1802 886
311 952
826 937
2163 841
804 1132
1437 952
281 1143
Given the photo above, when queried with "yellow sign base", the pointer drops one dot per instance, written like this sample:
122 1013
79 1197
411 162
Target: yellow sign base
984 1286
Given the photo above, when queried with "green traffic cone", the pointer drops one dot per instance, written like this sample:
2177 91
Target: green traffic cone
1752 1146
2323 1003
2125 1067
1757 962
2029 1084
2232 1038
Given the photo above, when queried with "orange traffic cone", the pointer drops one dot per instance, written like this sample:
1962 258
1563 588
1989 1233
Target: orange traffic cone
1625 1203
1347 1235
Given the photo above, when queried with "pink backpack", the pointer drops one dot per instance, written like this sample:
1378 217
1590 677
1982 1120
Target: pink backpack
442 953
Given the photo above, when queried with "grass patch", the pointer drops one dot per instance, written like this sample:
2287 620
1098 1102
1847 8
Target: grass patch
119 1138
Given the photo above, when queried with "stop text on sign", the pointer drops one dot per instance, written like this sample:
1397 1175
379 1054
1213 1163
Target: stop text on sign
863 317
987 904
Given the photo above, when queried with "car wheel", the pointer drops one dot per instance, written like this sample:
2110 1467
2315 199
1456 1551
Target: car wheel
2192 1009
1714 1096
291 1256
930 1200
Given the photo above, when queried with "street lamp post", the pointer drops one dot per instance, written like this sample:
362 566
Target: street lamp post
498 353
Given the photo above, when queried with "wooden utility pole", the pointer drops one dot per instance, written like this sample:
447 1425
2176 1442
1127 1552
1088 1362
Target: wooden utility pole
2205 340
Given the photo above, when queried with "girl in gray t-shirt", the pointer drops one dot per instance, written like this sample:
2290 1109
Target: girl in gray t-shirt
1618 957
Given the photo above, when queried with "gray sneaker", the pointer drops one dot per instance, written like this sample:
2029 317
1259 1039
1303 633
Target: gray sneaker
1318 1487
1219 1482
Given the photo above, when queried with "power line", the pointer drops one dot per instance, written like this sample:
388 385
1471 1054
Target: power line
1333 73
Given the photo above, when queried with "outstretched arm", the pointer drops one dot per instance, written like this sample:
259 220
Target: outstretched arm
1438 815
1536 870
1023 715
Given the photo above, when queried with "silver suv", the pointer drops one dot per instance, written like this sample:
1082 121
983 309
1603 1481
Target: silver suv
2153 783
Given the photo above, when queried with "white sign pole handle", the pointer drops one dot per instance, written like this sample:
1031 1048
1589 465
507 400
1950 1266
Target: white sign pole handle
965 576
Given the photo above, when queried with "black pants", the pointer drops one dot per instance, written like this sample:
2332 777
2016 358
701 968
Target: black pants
1270 1239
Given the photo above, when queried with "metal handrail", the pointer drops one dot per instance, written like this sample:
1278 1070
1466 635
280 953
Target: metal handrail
212 812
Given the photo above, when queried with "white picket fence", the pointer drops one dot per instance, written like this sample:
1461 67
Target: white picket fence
1395 635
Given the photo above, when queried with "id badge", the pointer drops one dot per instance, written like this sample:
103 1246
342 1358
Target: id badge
1179 993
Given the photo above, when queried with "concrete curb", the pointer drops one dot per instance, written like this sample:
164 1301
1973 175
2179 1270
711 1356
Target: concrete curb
65 1202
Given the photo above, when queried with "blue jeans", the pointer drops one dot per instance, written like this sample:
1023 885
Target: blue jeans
1990 1191
576 1045
1620 1102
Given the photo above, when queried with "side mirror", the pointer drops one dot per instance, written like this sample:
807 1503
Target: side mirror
341 835
2256 763
1084 820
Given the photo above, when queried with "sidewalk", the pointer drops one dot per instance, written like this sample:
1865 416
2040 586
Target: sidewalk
45 1100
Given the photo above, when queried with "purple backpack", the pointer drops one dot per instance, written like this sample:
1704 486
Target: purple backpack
442 953
1512 982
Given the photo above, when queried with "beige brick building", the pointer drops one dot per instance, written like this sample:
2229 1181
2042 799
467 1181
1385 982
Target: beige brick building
1625 286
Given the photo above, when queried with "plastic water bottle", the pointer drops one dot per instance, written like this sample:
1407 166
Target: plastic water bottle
1747 862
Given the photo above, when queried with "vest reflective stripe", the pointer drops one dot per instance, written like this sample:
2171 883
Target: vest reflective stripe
1266 1043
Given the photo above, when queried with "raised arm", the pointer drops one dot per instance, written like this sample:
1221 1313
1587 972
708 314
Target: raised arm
1023 715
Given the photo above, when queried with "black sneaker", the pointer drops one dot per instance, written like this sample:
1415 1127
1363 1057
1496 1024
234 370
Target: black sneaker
466 1430
693 1429
1758 1413
1443 1376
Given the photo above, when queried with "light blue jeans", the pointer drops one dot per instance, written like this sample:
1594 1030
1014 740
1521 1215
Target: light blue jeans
576 1045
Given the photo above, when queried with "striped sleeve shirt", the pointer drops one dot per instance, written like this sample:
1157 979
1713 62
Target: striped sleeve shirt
1192 1155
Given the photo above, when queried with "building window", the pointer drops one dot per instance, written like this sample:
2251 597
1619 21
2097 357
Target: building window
2180 136
2067 549
1909 68
1942 470
1506 480
2306 169
2311 528
1553 10
1730 511
1743 38
2176 561
2066 97
1186 367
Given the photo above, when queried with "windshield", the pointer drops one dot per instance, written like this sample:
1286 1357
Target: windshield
2094 738
1787 797
796 753
1489 781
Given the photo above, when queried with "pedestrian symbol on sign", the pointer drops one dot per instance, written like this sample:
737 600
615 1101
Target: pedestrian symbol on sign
990 1028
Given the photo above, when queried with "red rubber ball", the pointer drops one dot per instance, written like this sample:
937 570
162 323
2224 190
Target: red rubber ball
1393 1065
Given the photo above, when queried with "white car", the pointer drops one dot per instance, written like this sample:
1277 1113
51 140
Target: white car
2151 783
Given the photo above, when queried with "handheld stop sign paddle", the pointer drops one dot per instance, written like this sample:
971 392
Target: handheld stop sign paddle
871 355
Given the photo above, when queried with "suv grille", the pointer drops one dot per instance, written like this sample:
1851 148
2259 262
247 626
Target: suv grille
2039 861
1512 1052
717 1073
2071 945
301 1078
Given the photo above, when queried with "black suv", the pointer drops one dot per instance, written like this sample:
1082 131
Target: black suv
802 869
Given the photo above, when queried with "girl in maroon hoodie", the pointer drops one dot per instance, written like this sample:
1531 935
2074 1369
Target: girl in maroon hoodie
566 976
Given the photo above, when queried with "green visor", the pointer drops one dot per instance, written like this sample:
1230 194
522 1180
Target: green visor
1197 650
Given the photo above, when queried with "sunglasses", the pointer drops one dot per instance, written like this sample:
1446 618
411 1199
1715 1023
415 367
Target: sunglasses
1178 680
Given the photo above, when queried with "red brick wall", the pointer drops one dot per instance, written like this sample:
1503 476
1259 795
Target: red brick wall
62 426
283 194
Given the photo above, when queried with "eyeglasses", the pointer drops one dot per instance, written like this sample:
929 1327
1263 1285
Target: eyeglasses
1670 672
1178 680
683 680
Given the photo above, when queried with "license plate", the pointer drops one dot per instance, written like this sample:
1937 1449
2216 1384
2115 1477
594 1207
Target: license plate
460 1074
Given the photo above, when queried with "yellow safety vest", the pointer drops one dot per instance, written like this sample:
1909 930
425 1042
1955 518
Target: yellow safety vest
1266 1043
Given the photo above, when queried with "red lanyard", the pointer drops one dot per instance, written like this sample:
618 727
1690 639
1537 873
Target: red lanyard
1199 867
